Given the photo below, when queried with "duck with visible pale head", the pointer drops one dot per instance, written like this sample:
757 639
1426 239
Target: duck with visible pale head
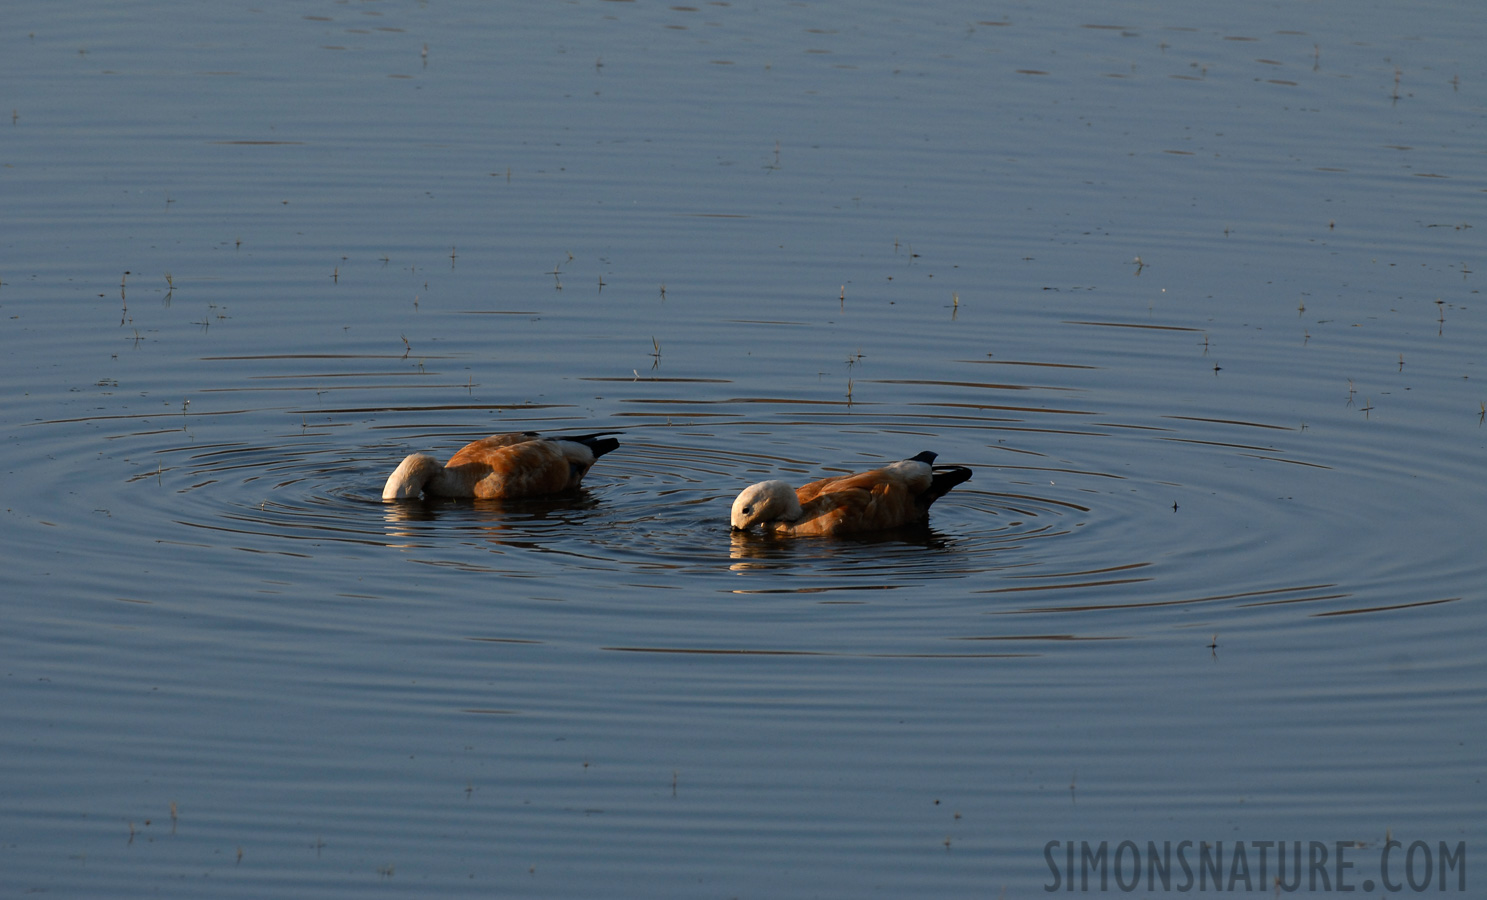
502 467
895 496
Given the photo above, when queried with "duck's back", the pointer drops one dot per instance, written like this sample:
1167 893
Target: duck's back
499 467
867 501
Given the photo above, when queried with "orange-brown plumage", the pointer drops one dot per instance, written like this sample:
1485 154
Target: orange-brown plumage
503 466
894 496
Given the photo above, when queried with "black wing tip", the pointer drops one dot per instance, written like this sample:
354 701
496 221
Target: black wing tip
942 481
603 446
597 442
928 456
953 474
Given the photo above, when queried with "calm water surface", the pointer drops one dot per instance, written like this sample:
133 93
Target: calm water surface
1195 290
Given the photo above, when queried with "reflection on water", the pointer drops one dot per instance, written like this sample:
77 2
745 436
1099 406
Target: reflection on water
661 505
510 525
650 504
876 560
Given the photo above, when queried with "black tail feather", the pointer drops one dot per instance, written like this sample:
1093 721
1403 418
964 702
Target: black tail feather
928 456
597 443
943 479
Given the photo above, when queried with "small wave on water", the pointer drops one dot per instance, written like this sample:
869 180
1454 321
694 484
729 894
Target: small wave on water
1111 516
1032 532
655 505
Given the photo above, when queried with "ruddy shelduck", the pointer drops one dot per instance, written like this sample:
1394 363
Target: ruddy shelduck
502 467
894 496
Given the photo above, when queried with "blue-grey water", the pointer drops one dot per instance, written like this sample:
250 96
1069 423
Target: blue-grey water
1194 288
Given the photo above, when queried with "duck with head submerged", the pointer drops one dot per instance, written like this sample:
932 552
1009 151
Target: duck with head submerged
895 496
502 467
